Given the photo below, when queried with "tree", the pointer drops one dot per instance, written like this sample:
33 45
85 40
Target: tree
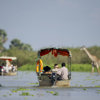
16 43
26 47
3 39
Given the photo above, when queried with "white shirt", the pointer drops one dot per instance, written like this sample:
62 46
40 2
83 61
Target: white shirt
55 70
63 72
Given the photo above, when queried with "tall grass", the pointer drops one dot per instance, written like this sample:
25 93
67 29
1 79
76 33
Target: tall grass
81 67
74 67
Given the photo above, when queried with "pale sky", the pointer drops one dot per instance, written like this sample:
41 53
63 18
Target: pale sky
51 23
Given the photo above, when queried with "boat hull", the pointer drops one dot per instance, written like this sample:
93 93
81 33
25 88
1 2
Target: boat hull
44 80
8 74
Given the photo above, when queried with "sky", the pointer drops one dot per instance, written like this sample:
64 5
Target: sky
51 23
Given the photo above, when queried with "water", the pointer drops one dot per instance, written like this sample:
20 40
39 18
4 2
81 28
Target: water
83 86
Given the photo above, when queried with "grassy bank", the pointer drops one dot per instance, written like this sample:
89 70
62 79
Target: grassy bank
74 67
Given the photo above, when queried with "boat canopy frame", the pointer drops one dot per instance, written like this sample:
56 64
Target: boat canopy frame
56 52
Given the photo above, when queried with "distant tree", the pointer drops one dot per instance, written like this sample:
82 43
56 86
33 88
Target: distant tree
16 43
26 47
3 39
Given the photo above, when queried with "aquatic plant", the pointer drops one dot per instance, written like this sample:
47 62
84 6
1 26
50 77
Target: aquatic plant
97 86
53 92
26 94
98 92
10 94
34 83
4 95
19 89
25 98
81 85
84 89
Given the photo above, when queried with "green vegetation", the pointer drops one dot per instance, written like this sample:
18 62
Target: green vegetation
27 67
26 56
74 67
26 94
84 89
19 89
53 92
98 86
81 67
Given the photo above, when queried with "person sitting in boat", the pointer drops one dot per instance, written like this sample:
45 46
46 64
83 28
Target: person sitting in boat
56 68
63 72
47 70
2 67
14 68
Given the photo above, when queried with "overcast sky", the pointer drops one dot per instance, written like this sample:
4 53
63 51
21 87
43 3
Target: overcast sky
54 23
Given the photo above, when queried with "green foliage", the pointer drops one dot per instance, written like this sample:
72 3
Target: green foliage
74 67
81 67
27 67
3 39
23 57
16 43
26 94
26 57
52 92
19 89
3 36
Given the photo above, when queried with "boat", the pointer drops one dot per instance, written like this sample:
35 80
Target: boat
50 79
8 74
3 67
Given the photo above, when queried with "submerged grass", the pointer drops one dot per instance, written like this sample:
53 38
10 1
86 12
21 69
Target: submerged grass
74 67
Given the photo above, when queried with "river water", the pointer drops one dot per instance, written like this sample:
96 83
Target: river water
24 86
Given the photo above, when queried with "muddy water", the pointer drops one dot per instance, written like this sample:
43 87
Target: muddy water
24 86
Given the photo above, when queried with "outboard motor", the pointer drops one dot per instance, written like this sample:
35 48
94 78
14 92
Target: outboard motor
69 76
53 78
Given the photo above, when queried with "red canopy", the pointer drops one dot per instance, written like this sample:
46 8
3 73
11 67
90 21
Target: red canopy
54 51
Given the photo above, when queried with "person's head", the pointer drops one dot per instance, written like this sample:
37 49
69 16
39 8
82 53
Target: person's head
47 69
63 64
56 66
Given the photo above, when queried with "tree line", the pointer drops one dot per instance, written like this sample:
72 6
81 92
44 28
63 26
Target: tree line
26 55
